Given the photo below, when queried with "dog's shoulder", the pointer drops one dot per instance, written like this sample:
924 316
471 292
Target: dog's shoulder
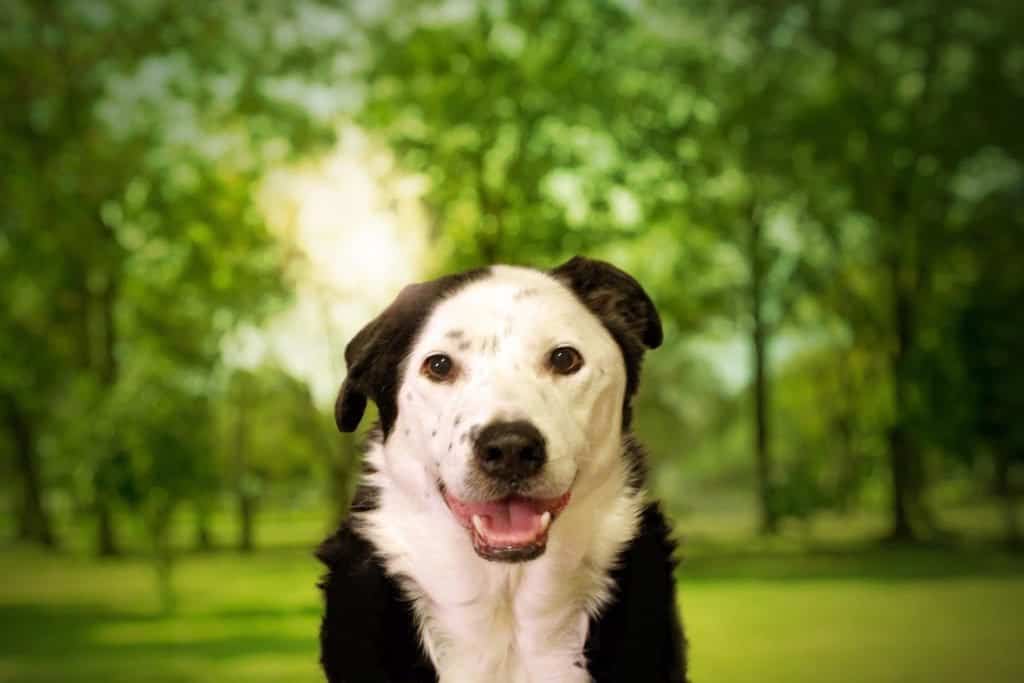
639 636
368 631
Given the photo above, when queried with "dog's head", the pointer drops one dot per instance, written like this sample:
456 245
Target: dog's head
502 389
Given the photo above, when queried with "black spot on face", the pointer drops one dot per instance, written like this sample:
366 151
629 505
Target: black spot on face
433 433
454 334
458 420
464 345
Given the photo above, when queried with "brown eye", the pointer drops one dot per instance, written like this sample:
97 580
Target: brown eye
439 367
565 360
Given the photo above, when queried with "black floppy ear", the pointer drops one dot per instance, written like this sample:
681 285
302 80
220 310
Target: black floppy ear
357 387
613 296
349 407
376 355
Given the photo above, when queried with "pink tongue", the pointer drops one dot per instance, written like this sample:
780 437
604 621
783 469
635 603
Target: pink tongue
518 516
510 516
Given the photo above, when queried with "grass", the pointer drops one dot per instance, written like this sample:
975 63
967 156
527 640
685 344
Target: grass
879 629
237 619
857 613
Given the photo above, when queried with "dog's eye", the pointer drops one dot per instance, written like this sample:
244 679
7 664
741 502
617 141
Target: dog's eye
439 367
565 360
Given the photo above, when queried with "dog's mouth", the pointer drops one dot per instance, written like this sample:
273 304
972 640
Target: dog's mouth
510 529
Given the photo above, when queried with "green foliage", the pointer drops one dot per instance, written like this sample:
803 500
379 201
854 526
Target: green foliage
132 243
824 200
519 116
275 416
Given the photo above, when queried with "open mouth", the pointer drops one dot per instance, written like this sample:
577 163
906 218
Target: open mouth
510 529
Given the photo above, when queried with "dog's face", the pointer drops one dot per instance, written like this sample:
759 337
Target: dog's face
502 389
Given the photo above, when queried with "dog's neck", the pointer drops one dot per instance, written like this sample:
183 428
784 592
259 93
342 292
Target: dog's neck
482 620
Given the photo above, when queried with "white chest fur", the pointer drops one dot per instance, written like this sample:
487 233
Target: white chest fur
498 622
502 636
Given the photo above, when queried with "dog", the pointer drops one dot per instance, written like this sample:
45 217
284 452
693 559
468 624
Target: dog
500 532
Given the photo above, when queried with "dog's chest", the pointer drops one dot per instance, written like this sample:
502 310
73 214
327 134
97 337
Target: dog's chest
507 635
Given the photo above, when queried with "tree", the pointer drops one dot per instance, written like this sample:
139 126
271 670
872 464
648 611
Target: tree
139 143
733 106
266 447
982 369
510 112
900 160
871 106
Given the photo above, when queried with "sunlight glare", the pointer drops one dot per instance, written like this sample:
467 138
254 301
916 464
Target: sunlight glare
355 233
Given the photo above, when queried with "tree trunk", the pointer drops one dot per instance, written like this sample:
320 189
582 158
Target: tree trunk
246 521
900 455
904 465
204 537
1005 490
33 521
159 525
846 476
246 501
759 351
106 533
106 536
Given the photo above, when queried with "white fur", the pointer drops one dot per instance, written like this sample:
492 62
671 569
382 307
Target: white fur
493 621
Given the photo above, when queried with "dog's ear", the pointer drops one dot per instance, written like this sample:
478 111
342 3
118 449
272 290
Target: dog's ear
357 387
623 307
376 355
613 296
373 358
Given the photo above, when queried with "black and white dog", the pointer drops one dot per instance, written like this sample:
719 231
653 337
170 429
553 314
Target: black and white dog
500 533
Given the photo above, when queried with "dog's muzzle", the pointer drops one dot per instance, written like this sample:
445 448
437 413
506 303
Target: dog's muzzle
512 527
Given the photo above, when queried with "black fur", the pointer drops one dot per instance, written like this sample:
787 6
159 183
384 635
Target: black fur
639 637
376 355
369 631
624 308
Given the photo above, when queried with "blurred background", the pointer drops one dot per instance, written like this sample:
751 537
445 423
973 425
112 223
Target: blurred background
201 202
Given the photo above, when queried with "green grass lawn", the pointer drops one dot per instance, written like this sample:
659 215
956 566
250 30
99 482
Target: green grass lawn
821 630
922 615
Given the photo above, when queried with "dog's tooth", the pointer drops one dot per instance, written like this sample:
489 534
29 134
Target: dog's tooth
478 524
545 520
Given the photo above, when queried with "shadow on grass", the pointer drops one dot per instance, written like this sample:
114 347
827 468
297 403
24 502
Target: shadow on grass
705 560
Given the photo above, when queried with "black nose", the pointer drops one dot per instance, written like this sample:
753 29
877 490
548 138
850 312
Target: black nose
510 450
